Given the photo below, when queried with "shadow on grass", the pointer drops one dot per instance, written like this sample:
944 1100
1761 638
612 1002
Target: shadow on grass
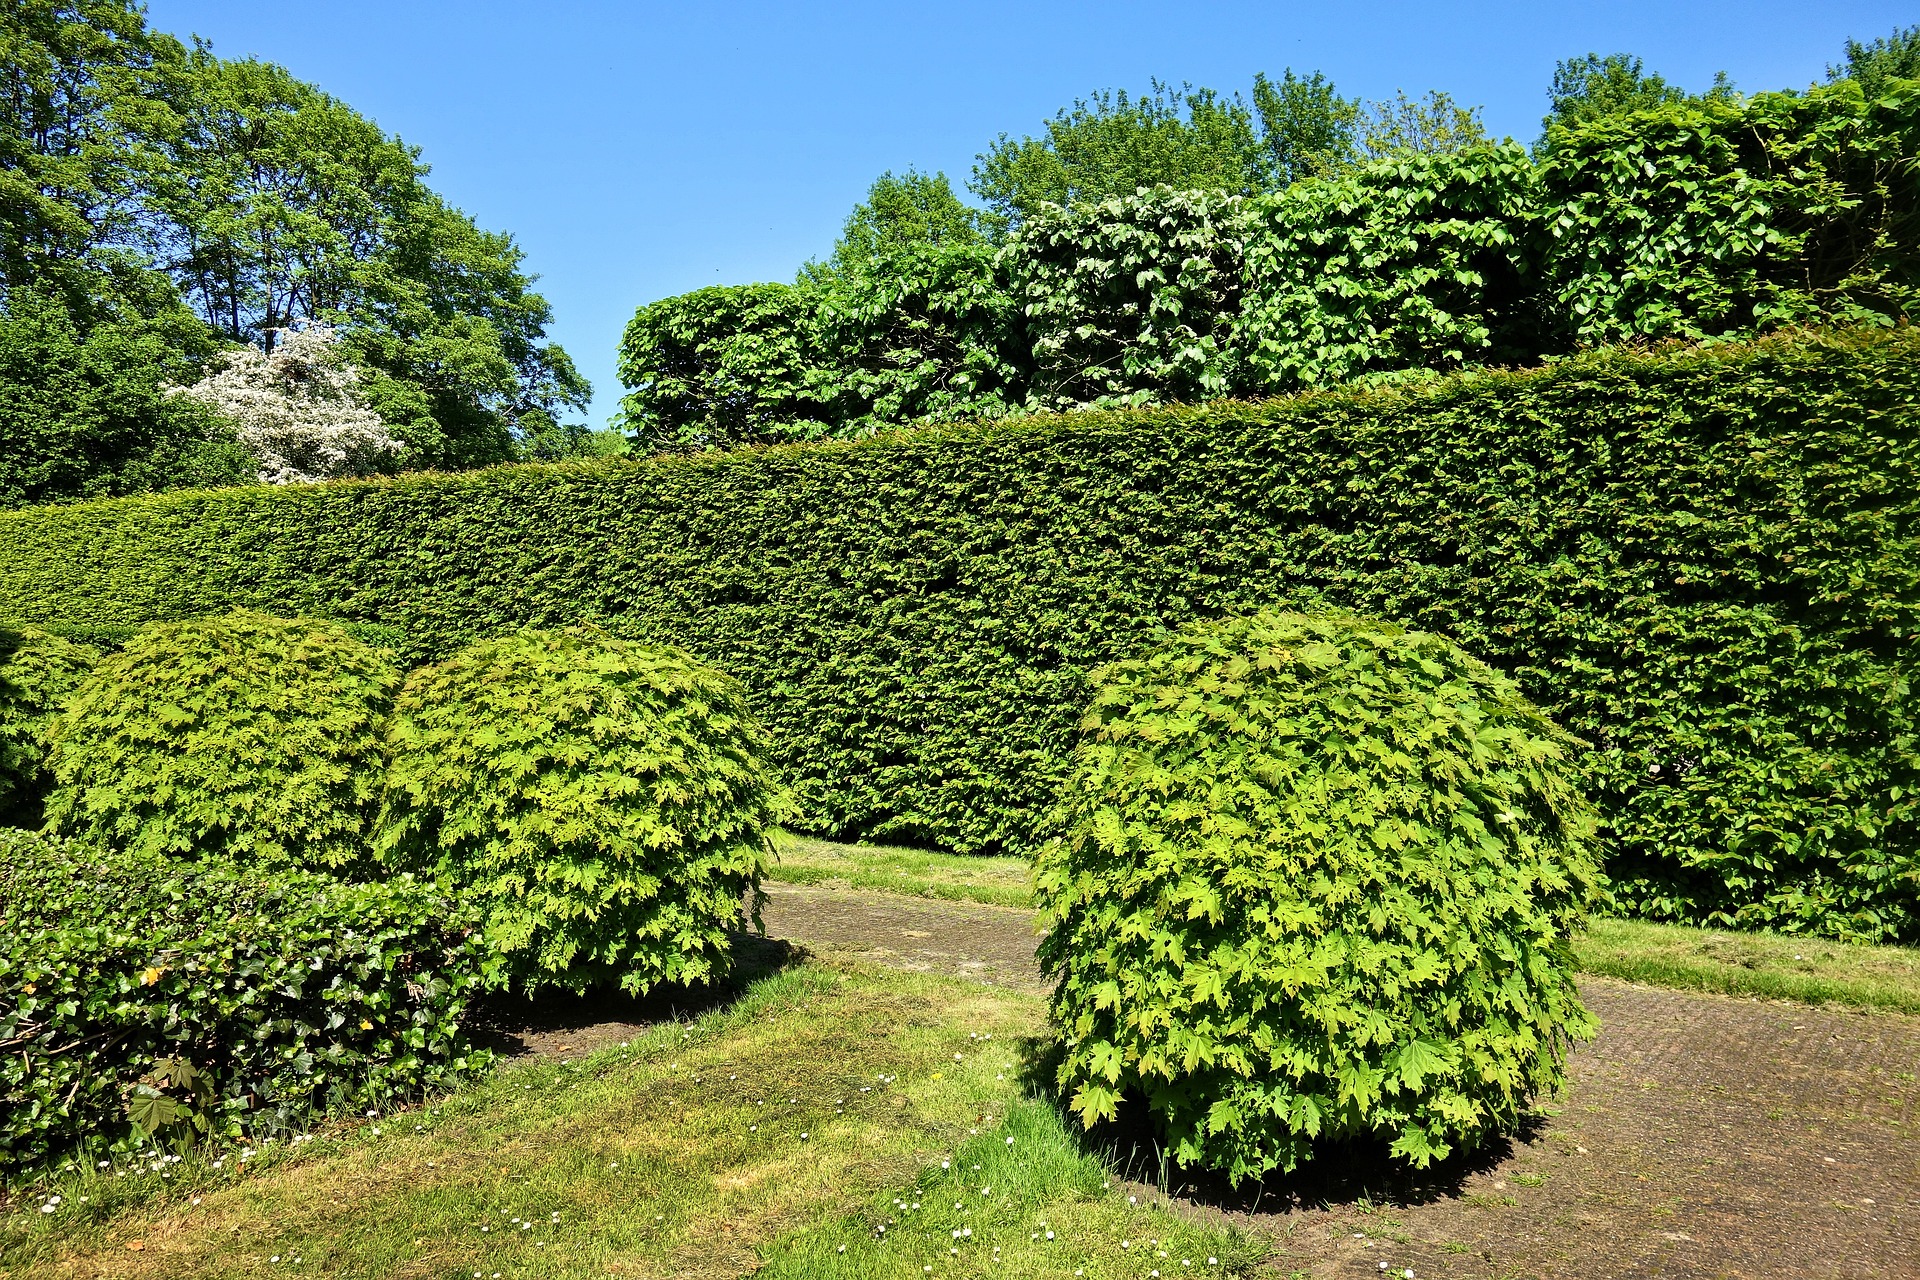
1339 1173
552 1022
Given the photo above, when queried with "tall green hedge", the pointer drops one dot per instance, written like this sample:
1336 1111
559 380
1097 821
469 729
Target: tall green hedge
1700 561
1709 218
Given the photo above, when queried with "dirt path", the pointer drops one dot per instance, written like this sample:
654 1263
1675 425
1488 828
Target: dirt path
1701 1136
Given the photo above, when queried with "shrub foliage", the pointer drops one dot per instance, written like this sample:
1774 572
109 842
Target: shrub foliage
1703 218
149 997
1701 562
604 801
1316 879
37 673
243 736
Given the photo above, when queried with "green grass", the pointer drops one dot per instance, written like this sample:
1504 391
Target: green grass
1000 882
822 1105
1779 966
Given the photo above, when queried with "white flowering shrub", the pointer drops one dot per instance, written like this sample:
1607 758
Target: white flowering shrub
299 408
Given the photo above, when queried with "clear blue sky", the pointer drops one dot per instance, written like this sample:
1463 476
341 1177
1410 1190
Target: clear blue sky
638 150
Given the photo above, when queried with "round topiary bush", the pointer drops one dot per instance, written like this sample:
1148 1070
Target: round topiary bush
604 802
37 673
1317 878
245 736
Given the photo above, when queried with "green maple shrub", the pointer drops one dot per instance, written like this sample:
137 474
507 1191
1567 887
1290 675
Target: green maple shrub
1317 878
150 998
604 801
37 673
243 736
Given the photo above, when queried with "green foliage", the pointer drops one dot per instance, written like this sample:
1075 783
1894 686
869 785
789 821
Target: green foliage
1709 218
38 672
243 736
1396 268
1434 125
916 335
1307 130
903 212
721 367
1719 216
150 999
1316 877
1702 562
1112 144
1130 301
1876 65
1587 88
83 413
130 165
602 802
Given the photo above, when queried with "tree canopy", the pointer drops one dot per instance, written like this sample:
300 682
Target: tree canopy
1892 57
912 208
1588 88
146 184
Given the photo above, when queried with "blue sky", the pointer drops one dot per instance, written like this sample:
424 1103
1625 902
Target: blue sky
641 150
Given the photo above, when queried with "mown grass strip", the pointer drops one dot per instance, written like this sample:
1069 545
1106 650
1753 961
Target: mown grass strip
1773 965
699 1150
999 882
1780 966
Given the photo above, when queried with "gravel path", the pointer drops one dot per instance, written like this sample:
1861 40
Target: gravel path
1700 1136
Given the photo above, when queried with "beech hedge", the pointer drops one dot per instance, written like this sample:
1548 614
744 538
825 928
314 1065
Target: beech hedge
1700 561
149 999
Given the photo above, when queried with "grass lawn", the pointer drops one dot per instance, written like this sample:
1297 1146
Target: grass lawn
834 1121
1762 964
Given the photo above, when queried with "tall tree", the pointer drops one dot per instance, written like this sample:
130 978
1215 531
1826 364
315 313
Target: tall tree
1307 129
1197 139
899 212
278 203
67 71
1430 125
1894 57
1589 88
139 178
1112 143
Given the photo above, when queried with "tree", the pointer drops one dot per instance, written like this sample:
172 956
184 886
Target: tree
1894 57
298 408
71 76
1432 125
135 173
1199 140
279 204
1113 143
1586 89
82 414
899 212
1307 129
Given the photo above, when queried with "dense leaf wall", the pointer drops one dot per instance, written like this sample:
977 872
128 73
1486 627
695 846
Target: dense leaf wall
1701 561
1701 219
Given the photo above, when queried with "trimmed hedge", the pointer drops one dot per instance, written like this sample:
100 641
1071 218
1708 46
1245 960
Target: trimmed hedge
285 993
38 672
1318 878
602 802
241 736
1702 562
